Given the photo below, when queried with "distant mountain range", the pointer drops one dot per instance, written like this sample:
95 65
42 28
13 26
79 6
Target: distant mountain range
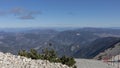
79 43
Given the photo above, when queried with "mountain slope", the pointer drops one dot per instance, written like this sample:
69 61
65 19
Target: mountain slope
68 42
112 51
97 46
13 42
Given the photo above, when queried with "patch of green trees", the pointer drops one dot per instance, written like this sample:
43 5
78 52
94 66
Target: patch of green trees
48 55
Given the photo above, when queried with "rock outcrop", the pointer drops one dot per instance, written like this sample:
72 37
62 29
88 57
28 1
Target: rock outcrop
8 60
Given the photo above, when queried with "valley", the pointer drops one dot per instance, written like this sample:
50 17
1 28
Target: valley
78 43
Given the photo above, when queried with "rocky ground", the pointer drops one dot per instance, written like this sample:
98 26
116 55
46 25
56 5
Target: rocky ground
8 60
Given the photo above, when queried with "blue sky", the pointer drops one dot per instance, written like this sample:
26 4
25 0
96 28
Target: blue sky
59 13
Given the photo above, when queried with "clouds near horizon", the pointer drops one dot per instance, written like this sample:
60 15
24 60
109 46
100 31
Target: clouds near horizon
21 13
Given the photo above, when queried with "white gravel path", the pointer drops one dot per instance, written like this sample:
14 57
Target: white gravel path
84 63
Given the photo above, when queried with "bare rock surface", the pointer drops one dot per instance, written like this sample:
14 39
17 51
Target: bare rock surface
8 60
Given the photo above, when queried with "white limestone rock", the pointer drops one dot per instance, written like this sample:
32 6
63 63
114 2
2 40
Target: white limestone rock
8 60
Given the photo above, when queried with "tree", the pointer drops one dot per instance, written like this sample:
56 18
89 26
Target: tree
23 53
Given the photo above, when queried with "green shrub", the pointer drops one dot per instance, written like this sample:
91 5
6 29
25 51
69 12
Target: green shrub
33 54
49 54
23 53
67 60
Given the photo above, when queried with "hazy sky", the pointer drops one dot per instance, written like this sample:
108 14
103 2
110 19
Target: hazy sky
59 13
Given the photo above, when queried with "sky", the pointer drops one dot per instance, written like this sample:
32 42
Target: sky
59 13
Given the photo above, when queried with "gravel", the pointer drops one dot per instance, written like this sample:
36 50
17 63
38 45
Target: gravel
87 63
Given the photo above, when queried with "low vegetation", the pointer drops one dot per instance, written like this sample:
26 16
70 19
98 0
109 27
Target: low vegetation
48 55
